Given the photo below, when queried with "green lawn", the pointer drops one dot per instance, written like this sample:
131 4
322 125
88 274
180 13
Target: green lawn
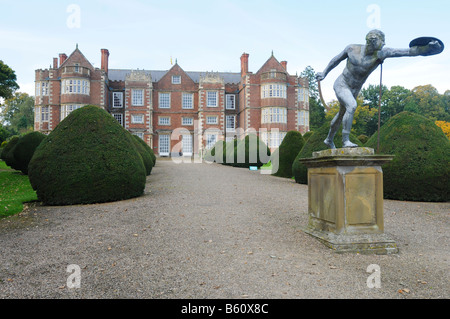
15 189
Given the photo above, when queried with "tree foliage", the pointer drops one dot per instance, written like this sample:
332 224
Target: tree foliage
316 109
18 113
8 83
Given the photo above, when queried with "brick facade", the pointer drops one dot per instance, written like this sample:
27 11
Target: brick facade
176 111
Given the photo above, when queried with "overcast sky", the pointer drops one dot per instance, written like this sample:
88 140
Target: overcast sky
211 35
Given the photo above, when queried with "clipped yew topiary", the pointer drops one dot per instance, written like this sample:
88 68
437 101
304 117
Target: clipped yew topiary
215 153
7 153
147 148
291 145
145 154
307 135
313 144
88 158
251 151
420 170
24 149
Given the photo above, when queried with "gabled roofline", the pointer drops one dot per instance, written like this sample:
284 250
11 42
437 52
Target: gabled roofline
76 49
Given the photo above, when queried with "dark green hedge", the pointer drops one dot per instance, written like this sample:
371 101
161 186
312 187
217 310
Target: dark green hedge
7 154
24 149
420 170
147 148
247 152
313 144
145 154
88 158
289 148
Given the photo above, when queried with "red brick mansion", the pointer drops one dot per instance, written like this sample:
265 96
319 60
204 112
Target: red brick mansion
175 110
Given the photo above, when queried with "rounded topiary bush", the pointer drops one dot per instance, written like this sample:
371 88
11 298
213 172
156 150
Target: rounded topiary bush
210 155
24 149
251 151
307 135
420 170
7 154
287 152
228 152
363 138
313 144
145 154
88 158
147 148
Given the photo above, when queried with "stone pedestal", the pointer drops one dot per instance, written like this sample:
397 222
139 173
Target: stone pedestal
345 200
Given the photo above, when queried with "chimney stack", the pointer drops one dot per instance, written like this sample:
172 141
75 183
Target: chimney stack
62 58
284 64
55 63
105 55
244 64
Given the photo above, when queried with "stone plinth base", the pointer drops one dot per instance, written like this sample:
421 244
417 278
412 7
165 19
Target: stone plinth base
345 200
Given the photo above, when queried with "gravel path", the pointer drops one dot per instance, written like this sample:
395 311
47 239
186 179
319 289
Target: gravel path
212 231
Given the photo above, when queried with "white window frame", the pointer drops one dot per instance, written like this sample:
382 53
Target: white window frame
140 134
76 86
187 144
176 79
38 88
187 121
45 113
66 109
117 100
45 88
230 123
273 90
164 100
303 118
137 97
303 95
164 120
274 115
164 139
273 139
187 101
137 118
212 122
230 101
118 117
37 114
212 98
211 140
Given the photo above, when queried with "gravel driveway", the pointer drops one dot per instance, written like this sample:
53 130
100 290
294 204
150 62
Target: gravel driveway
213 231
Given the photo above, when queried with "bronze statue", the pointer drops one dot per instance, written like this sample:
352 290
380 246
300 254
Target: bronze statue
362 60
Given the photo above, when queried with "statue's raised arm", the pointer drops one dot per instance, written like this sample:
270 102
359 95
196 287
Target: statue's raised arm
362 60
421 46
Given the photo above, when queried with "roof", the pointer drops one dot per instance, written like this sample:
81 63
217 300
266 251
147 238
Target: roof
120 74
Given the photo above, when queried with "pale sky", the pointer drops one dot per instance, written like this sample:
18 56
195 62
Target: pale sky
210 35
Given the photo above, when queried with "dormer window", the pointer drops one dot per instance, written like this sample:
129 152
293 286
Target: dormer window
77 67
176 79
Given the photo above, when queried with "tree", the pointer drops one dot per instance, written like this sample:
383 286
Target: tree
371 95
426 100
7 81
316 109
394 101
4 134
18 112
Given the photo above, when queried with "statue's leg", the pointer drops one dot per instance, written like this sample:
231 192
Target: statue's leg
335 123
348 101
347 122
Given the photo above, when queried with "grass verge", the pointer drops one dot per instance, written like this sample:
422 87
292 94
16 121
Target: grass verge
15 189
